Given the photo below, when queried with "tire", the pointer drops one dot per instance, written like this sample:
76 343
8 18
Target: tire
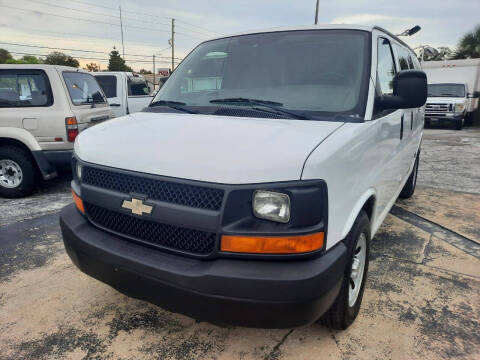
17 172
409 187
427 124
345 308
468 120
459 124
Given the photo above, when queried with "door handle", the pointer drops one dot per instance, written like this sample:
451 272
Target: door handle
114 104
401 127
411 120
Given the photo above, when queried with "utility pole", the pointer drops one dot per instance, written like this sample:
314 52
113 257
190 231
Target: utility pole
316 13
121 31
173 43
153 71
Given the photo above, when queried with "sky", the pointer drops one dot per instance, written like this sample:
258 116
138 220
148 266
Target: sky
90 28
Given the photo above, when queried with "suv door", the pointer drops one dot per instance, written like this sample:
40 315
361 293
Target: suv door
30 99
390 133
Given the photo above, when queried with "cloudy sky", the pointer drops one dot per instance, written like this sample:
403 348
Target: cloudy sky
93 26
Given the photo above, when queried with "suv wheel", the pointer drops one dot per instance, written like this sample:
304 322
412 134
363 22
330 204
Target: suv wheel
17 172
347 304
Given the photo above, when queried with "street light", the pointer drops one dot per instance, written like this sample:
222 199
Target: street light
410 32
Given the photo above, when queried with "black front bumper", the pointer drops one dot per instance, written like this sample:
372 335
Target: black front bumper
255 293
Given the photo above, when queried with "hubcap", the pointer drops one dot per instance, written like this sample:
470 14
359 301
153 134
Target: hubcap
11 174
358 269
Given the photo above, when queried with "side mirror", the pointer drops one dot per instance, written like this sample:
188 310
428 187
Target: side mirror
473 95
409 91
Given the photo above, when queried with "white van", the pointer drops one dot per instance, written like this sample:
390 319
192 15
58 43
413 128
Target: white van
248 192
42 110
126 92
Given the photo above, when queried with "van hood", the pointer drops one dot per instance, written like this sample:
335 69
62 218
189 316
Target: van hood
220 149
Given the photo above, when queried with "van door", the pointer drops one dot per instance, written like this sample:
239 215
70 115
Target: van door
87 100
390 127
410 116
113 88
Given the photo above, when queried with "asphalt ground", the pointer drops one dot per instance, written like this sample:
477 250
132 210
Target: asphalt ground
422 298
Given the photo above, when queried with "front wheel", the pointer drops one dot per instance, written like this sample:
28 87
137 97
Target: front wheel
347 304
459 124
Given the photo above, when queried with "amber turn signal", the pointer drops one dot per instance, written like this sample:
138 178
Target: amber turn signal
78 202
272 244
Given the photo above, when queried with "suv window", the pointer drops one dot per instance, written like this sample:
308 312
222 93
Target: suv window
24 88
385 67
108 83
83 88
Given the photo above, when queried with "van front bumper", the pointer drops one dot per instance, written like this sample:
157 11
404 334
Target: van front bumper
255 293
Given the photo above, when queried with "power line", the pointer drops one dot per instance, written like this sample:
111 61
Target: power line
141 13
93 12
92 58
81 19
81 50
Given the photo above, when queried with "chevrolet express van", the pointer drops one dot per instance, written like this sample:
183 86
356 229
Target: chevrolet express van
42 109
250 189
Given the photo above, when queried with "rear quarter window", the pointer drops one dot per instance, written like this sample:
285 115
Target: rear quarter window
25 88
83 88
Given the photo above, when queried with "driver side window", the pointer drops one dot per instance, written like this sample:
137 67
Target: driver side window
385 67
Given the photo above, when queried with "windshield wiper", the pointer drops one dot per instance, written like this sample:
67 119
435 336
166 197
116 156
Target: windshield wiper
177 105
273 105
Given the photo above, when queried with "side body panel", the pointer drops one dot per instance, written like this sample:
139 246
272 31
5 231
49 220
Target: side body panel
358 161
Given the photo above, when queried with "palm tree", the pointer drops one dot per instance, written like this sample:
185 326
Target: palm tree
469 45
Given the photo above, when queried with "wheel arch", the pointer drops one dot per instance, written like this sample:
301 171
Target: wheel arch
367 203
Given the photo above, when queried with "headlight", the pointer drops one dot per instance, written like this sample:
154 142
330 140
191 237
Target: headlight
79 171
271 205
459 108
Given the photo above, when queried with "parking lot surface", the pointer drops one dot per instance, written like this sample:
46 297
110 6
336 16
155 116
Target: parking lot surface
422 298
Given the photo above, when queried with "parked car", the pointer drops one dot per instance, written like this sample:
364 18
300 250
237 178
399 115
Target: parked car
455 89
249 190
42 109
447 103
126 92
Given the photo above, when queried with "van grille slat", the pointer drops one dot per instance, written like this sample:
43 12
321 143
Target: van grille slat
156 234
171 192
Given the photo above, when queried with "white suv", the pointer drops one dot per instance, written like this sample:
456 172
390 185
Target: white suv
42 109
248 192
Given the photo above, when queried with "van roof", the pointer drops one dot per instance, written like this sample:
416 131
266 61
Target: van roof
368 28
39 67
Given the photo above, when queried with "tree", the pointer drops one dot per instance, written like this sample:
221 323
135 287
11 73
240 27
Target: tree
27 59
143 71
469 45
116 62
58 58
92 67
4 56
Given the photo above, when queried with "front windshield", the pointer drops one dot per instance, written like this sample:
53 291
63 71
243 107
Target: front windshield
322 72
446 90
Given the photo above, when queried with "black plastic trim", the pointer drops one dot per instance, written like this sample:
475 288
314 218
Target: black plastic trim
241 292
47 170
309 201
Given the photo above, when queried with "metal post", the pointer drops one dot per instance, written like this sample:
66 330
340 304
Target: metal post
154 72
173 43
316 13
121 31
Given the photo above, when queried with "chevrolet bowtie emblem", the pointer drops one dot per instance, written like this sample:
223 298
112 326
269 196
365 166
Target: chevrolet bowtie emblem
137 206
